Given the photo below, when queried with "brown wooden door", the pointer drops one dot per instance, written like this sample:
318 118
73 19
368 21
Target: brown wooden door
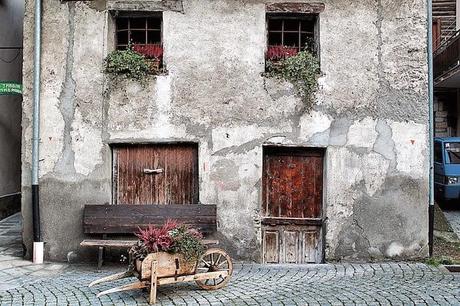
436 33
292 202
156 174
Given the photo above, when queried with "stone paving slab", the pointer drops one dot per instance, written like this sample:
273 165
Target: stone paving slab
23 283
10 236
254 284
14 271
453 216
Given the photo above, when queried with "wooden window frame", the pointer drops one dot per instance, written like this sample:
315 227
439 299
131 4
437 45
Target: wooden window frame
295 7
296 17
137 15
313 16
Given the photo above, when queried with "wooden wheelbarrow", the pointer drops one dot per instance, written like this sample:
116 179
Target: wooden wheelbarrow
210 272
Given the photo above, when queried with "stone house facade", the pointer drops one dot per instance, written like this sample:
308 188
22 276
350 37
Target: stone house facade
360 155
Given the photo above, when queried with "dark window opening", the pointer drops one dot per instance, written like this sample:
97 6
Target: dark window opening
138 30
143 33
438 152
292 31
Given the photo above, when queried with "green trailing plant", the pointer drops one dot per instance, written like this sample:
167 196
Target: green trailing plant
127 62
301 69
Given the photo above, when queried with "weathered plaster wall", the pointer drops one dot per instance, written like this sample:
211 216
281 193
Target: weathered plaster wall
370 114
11 14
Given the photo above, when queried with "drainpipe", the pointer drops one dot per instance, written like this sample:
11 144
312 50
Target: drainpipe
431 132
38 243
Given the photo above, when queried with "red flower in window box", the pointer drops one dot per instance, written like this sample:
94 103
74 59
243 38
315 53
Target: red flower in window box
153 54
150 51
276 53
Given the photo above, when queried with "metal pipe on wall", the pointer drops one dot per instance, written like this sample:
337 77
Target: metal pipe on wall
38 244
431 127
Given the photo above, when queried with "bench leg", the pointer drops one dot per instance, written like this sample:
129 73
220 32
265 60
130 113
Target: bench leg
100 257
153 284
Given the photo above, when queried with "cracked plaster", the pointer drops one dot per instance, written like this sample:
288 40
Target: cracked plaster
370 115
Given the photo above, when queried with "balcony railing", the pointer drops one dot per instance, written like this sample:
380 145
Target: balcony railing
447 56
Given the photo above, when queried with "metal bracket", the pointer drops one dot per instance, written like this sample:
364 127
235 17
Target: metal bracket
153 171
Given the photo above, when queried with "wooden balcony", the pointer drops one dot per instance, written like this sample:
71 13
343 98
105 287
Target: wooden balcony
446 63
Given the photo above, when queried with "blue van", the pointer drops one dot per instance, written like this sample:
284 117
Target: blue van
447 168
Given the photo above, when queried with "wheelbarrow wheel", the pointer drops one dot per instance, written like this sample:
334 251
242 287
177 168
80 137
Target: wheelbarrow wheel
214 260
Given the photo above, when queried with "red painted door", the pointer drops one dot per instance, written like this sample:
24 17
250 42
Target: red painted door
292 201
156 174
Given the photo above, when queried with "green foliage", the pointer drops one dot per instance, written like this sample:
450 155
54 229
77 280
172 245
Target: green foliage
302 70
172 237
437 261
187 242
127 62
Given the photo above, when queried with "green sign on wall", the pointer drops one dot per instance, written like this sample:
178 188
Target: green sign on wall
10 88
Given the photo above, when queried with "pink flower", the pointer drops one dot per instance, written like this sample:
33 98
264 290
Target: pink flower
280 52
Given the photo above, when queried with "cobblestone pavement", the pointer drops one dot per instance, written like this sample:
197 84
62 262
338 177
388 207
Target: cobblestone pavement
14 271
10 236
22 283
253 284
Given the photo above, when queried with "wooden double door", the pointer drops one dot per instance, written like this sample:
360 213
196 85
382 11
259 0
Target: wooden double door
292 205
156 174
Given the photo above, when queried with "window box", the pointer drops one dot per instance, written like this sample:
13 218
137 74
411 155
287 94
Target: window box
153 54
276 53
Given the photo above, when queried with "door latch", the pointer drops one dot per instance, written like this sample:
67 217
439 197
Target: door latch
153 171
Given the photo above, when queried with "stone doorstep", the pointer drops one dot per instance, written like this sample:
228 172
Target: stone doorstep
15 217
452 268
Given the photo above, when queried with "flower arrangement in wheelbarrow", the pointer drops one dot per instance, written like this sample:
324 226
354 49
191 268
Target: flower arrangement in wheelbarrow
171 254
172 237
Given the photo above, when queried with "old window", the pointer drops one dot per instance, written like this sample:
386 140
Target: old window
292 31
288 34
138 30
292 27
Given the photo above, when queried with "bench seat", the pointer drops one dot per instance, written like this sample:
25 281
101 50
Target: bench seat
116 220
124 243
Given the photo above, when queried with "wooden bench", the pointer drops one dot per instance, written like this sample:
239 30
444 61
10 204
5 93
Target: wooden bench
107 221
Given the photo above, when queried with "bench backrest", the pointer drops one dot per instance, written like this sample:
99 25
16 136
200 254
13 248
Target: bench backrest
126 219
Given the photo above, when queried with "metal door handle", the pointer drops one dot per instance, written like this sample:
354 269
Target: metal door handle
153 171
